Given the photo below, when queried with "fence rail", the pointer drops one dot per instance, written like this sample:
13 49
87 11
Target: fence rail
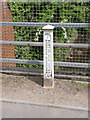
67 45
31 24
40 73
38 70
39 62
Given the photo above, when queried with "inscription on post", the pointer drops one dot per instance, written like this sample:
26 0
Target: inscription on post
47 51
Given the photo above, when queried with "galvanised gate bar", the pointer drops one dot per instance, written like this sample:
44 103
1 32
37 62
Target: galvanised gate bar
22 38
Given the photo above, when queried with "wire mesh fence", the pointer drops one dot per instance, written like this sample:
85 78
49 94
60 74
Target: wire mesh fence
25 22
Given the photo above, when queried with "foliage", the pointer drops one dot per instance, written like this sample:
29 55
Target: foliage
46 12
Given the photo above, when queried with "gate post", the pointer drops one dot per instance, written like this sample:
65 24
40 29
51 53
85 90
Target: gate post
48 56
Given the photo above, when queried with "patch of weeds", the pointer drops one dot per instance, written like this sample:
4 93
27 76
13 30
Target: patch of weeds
89 85
2 77
22 77
84 85
15 81
77 89
75 83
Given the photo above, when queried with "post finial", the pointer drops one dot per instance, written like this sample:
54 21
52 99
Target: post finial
48 27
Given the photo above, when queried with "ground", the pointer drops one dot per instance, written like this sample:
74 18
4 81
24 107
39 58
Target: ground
29 88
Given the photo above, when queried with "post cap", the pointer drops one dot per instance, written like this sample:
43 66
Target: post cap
48 27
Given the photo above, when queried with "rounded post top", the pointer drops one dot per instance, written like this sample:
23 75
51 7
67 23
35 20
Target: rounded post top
48 27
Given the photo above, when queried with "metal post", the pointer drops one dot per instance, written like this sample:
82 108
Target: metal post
48 56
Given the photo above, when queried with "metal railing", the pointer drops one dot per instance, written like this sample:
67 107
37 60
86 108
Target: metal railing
66 45
31 24
39 62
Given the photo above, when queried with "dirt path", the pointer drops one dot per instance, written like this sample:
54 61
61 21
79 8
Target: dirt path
30 88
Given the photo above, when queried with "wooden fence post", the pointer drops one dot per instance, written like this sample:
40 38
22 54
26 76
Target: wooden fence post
48 56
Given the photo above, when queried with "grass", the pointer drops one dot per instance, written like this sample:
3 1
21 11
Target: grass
83 85
75 84
22 77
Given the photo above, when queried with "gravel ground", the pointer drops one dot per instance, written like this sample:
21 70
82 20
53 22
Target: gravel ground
30 88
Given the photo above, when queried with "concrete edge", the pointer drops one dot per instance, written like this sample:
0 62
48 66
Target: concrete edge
46 105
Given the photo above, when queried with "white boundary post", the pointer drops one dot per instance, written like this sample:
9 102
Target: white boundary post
48 56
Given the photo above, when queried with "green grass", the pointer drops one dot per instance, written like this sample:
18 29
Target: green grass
15 81
75 84
84 85
22 77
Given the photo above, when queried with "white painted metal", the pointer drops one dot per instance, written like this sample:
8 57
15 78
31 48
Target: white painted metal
48 54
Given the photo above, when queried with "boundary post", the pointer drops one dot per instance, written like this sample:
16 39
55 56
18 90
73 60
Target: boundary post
48 56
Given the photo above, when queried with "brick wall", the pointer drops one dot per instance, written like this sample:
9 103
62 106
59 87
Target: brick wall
6 34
